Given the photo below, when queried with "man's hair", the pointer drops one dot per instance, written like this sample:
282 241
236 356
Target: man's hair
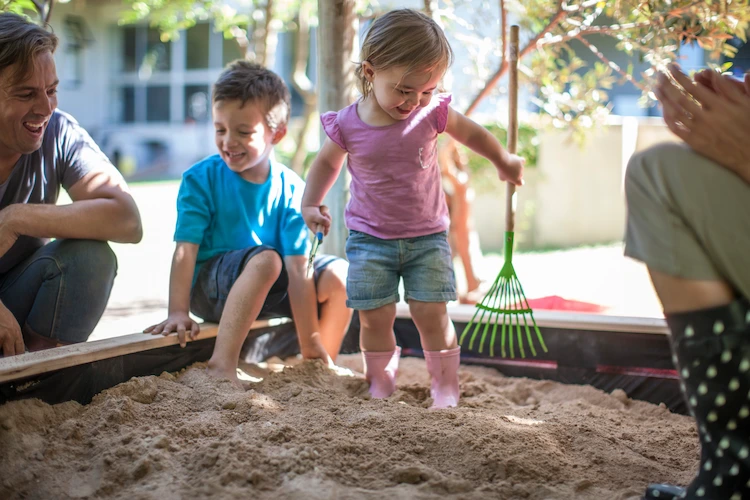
245 81
403 38
20 42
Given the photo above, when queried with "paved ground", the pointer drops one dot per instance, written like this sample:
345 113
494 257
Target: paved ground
595 274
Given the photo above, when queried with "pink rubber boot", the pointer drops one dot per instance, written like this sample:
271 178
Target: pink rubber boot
380 371
443 369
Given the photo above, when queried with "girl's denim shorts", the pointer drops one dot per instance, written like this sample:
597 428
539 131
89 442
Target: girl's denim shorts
377 265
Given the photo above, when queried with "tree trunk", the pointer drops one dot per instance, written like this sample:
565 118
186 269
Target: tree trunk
337 24
303 86
265 38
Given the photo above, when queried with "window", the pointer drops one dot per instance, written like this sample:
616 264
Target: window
197 41
158 54
146 60
231 51
157 104
197 104
128 48
159 82
77 38
127 98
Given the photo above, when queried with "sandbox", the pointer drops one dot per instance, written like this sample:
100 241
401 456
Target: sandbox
307 432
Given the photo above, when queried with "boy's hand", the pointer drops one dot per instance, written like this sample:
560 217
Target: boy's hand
317 352
317 216
512 170
179 322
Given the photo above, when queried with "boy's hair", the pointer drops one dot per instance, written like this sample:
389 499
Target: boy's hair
246 81
403 37
20 42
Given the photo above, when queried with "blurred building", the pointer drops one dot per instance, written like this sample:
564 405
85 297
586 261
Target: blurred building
147 102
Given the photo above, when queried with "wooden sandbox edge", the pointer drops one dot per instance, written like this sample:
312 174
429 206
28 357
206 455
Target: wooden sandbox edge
39 362
462 313
36 363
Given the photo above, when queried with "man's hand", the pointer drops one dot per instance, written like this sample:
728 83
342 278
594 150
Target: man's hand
179 322
8 234
11 340
712 119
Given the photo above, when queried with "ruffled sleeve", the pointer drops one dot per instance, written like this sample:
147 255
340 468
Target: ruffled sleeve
441 111
330 121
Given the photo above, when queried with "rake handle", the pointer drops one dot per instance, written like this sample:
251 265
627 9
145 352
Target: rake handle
510 193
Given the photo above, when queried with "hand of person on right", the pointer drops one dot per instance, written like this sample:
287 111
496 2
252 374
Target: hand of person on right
713 120
11 340
706 78
315 216
179 322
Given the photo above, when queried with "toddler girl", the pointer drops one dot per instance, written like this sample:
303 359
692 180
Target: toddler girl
397 215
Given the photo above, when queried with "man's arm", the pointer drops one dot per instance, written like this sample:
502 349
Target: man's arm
304 302
102 209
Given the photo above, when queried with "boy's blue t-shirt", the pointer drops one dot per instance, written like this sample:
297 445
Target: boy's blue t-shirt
220 211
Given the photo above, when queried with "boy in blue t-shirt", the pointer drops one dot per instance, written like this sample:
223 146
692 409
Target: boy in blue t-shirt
241 242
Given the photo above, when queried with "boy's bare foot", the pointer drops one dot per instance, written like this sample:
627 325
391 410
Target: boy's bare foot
220 372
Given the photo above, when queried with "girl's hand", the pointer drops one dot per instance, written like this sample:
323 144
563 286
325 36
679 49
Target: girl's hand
512 170
317 216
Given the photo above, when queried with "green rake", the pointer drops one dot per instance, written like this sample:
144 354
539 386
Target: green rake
505 306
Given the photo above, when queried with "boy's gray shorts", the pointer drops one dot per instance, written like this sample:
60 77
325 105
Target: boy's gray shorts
688 217
217 275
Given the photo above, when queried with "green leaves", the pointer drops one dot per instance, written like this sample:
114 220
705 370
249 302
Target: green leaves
484 175
22 7
571 93
173 16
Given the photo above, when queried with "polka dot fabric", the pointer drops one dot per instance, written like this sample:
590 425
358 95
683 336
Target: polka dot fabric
711 349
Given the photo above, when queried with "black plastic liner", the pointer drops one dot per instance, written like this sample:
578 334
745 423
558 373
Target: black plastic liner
639 364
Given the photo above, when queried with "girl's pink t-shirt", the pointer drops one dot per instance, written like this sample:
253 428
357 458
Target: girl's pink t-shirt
396 189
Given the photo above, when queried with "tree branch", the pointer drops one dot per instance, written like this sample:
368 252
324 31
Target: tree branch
553 22
48 14
303 86
612 64
430 6
503 31
593 30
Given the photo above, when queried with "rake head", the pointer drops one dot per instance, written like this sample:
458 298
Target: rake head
506 311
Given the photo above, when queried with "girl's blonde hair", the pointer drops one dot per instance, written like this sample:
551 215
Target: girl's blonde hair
403 37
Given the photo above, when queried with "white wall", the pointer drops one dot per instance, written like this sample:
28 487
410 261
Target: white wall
573 196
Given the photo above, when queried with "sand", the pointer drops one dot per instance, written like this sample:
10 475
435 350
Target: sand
309 433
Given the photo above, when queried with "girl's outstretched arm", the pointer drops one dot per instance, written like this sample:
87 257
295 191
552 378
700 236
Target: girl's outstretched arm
481 141
323 173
